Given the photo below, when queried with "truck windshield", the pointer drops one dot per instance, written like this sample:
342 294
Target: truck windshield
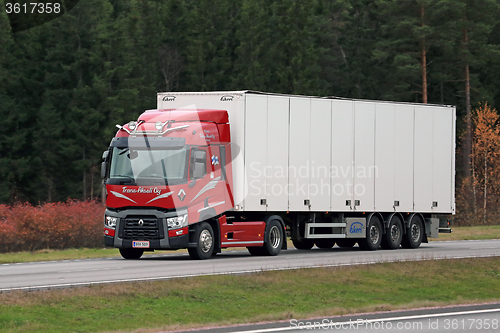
149 165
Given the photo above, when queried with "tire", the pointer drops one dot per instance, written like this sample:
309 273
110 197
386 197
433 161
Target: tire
346 243
274 238
204 236
414 234
373 235
326 243
131 253
304 244
255 251
393 235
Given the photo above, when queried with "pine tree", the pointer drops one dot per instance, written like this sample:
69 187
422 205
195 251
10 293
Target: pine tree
280 46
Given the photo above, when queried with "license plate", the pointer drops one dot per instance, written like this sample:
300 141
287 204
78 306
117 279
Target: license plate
142 244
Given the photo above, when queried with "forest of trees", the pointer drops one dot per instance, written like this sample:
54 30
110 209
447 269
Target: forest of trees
66 83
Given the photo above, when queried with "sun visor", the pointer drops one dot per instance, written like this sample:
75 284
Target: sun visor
149 142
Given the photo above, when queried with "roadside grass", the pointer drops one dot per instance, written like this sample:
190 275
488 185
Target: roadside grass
471 233
50 255
270 295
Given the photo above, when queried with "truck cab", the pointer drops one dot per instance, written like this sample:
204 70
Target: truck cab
163 173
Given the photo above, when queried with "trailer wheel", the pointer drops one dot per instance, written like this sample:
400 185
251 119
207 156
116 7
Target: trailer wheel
274 238
346 243
304 244
394 234
326 243
131 253
373 235
414 234
204 236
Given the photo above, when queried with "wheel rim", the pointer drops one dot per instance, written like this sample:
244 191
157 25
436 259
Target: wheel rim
274 237
415 232
205 241
374 234
395 233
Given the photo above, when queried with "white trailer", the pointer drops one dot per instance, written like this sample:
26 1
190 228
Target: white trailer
327 165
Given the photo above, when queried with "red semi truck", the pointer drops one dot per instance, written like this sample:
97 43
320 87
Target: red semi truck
213 170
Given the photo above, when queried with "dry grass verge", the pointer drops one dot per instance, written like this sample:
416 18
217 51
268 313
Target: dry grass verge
471 233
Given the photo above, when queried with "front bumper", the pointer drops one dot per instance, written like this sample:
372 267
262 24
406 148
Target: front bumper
158 237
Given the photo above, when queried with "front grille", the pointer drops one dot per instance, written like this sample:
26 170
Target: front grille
141 234
140 228
135 223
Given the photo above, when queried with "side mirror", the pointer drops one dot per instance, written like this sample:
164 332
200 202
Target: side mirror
103 169
104 164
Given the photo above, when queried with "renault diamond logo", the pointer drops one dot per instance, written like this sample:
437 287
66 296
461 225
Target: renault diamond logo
181 194
141 222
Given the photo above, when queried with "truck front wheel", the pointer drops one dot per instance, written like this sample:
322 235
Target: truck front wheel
131 253
204 236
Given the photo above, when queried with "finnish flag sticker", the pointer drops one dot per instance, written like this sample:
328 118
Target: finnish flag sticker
215 160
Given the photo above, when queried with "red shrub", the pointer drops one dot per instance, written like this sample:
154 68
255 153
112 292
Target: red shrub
51 226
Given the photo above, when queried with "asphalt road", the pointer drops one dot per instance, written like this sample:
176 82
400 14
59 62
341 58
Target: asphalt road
470 318
67 273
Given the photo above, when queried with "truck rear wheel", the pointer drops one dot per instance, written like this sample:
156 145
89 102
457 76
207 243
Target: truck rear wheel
304 244
204 236
414 234
131 253
373 235
394 234
274 238
326 243
346 243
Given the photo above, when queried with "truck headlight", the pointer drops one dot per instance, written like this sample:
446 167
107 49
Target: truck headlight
110 222
177 222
